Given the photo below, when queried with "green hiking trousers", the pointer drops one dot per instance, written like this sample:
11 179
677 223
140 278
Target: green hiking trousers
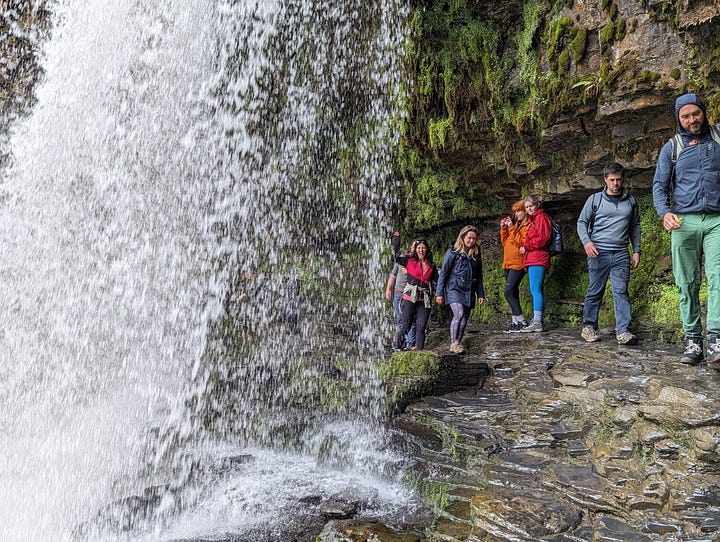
698 234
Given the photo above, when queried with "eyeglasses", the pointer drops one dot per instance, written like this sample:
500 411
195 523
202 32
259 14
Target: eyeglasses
418 241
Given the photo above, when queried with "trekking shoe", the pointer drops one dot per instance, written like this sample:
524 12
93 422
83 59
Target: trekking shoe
590 334
454 347
713 350
532 327
515 327
693 351
627 338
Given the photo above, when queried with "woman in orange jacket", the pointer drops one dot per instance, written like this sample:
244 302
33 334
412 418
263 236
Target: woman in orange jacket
513 232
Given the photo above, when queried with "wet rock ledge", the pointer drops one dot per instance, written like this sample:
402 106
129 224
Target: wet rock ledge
559 440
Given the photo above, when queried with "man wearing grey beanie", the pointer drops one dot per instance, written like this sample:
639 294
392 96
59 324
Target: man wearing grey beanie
686 195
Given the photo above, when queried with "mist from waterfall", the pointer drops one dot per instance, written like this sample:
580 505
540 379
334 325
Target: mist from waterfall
193 228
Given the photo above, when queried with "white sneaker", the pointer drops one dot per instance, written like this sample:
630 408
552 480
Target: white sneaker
533 327
627 338
591 335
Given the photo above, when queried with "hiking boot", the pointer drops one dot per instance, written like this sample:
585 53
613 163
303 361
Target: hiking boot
590 334
532 327
515 327
627 338
454 347
693 351
713 350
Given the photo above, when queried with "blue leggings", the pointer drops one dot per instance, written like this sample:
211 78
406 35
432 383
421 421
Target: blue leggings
536 277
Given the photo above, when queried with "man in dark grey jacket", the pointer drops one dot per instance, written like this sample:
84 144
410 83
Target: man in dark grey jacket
686 194
609 220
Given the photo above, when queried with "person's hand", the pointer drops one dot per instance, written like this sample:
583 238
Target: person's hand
521 250
403 270
635 260
590 249
395 242
439 300
388 293
671 221
481 300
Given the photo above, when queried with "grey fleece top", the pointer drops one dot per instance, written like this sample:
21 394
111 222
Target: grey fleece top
617 222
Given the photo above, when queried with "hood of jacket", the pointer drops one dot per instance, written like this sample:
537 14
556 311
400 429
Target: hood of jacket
688 99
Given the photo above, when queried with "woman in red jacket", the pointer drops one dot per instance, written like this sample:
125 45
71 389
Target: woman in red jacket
536 257
417 296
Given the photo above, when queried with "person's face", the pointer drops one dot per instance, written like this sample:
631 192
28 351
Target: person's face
691 118
520 215
421 251
470 239
614 184
530 207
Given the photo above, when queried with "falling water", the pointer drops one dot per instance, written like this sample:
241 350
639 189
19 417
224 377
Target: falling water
192 229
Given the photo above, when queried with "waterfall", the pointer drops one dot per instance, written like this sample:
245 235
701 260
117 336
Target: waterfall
193 226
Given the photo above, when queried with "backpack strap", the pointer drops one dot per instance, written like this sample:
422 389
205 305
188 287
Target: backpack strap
677 146
596 200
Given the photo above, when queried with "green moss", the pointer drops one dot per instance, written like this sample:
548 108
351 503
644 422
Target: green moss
409 364
675 73
620 30
434 493
578 44
606 37
612 12
649 76
440 132
563 63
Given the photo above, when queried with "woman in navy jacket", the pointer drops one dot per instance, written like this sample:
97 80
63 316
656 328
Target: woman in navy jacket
460 281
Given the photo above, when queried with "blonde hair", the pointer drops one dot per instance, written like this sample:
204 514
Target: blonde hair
460 245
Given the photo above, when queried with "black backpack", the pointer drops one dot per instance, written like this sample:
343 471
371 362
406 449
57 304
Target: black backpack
556 243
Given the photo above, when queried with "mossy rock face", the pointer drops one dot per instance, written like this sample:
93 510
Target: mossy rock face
539 105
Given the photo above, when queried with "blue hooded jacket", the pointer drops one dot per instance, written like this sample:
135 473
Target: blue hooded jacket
695 186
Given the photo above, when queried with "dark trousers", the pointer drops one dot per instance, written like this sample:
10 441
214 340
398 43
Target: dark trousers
513 278
413 312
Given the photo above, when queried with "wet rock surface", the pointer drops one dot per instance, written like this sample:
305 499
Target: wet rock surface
569 441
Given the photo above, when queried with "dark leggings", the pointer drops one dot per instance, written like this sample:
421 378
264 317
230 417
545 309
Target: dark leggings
513 278
413 312
461 313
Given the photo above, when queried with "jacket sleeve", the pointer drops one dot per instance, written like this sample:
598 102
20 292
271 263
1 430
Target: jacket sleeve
635 229
504 234
434 280
479 284
538 236
444 272
584 221
662 181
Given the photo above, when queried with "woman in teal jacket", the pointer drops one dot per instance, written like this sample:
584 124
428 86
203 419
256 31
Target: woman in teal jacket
460 281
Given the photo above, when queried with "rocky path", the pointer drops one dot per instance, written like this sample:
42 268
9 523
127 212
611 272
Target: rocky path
561 440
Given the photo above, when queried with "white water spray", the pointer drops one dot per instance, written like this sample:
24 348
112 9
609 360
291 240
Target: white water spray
175 149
